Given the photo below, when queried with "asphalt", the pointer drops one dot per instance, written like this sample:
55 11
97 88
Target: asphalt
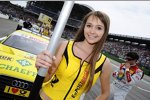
7 27
139 92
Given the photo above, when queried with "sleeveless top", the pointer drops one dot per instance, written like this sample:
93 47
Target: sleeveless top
71 77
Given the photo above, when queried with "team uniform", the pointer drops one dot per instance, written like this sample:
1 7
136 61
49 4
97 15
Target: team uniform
71 77
46 32
124 81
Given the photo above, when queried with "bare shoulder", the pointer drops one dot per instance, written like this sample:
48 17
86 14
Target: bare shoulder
107 68
61 47
64 43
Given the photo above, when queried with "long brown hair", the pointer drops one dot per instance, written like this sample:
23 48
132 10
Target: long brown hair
98 46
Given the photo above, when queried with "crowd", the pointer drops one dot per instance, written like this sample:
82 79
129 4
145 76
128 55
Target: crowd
68 33
119 49
16 12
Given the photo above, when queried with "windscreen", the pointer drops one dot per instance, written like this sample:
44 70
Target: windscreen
31 45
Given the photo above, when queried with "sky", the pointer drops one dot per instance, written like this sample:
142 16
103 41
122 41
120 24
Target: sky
127 17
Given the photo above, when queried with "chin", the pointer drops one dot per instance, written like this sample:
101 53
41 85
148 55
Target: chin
92 42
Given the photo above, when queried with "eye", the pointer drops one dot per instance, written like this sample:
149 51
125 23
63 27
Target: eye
88 25
99 28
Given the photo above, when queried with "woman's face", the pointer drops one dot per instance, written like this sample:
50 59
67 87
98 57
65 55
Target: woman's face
93 30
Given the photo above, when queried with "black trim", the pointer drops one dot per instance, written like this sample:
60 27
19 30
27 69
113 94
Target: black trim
99 57
73 51
66 54
100 67
73 83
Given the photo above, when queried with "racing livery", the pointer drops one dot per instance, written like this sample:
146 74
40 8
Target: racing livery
124 80
17 60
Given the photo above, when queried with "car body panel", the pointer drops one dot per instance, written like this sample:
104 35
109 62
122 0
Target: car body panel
17 64
18 67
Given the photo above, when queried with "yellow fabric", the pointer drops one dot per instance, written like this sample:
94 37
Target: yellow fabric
71 77
46 32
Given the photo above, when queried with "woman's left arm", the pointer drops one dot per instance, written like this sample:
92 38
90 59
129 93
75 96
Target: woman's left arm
105 81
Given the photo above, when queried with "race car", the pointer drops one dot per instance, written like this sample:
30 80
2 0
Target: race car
17 64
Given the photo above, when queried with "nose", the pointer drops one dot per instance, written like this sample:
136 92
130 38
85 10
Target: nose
92 30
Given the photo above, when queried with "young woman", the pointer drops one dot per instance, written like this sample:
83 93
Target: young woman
78 64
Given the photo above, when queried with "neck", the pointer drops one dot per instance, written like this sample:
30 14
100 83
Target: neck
88 47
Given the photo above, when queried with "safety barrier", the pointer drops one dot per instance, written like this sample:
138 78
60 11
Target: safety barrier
4 16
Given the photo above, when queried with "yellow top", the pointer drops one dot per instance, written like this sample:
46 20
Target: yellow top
46 31
70 79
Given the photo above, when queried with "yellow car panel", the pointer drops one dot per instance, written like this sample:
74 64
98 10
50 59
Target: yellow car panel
17 67
17 63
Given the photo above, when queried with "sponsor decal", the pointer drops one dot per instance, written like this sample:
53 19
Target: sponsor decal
131 71
33 38
29 56
38 40
24 62
81 83
16 91
54 80
121 74
6 58
20 84
17 69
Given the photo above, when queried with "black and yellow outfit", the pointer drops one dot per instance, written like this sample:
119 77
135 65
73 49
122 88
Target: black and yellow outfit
46 31
70 79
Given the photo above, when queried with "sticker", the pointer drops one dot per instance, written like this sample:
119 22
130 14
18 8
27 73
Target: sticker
6 58
16 91
17 69
24 62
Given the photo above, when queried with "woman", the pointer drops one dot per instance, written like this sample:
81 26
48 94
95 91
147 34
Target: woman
77 64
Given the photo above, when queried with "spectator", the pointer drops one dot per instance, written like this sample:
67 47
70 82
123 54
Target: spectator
27 24
20 24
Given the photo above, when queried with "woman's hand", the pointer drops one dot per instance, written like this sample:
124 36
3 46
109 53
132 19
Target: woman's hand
44 60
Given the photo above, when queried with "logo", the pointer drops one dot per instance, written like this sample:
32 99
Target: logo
81 83
20 84
6 58
54 80
16 91
24 62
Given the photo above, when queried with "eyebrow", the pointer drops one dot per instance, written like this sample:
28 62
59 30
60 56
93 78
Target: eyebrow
96 25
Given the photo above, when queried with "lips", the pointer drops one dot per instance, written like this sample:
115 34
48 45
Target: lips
91 36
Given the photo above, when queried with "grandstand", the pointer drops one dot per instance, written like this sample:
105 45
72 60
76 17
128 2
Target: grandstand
118 45
53 8
16 12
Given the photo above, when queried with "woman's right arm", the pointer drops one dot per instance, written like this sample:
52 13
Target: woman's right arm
45 60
